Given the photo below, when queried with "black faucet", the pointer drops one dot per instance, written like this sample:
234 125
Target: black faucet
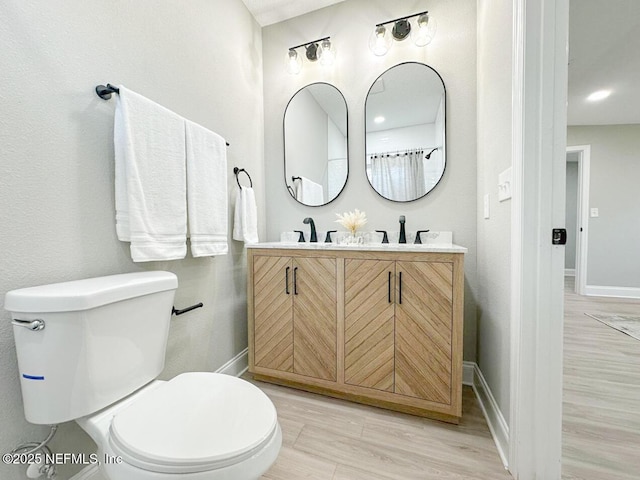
309 221
403 235
327 239
301 236
385 237
418 239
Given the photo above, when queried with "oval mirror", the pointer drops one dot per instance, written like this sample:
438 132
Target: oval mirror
316 163
406 132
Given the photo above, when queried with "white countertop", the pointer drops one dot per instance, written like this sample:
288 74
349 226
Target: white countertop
379 247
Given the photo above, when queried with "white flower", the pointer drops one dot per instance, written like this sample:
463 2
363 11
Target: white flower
352 220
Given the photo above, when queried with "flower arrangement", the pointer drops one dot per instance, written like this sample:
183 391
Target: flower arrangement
352 221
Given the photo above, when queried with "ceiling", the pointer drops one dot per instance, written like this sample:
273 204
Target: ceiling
604 53
267 12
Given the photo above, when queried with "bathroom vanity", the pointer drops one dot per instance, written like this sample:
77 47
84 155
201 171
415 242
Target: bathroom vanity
375 324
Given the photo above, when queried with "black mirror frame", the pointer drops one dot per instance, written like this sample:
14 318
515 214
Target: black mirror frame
444 169
284 143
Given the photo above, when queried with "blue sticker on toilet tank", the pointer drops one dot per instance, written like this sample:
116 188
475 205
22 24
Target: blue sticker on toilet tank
32 377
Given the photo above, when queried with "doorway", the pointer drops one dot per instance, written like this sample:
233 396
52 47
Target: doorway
577 214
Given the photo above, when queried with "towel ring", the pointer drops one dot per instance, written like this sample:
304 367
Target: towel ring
237 171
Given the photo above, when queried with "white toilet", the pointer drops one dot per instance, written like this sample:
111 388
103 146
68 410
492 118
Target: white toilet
90 351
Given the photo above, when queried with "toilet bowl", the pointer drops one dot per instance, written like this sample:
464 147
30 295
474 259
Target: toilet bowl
196 426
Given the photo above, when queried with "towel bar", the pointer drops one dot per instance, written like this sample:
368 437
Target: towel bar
105 91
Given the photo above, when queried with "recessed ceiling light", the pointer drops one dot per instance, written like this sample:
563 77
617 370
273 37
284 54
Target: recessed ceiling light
379 119
599 95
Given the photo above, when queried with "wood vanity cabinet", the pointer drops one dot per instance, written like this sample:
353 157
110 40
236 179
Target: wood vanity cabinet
376 327
295 312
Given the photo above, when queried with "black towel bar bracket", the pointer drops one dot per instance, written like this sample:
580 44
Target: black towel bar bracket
105 92
237 171
175 311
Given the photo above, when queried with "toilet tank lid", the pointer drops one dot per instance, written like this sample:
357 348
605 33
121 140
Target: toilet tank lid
88 293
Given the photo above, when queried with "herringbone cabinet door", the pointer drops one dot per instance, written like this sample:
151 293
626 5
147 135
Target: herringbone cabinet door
369 323
424 309
315 317
273 313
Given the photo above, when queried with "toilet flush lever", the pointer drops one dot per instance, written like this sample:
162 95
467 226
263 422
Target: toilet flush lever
175 311
35 325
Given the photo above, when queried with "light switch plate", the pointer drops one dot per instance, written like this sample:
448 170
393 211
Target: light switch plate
486 205
504 185
594 213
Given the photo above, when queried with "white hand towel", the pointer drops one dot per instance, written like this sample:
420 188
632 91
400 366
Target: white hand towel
245 220
150 185
207 191
310 192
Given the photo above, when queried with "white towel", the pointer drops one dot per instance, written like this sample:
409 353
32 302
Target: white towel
206 191
150 178
309 192
245 220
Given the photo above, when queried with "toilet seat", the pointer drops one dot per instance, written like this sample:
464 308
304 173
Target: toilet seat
195 422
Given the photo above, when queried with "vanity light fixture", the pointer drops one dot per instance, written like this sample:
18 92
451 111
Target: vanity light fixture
322 49
380 40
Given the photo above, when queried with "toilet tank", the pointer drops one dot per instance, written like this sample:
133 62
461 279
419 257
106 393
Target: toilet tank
103 338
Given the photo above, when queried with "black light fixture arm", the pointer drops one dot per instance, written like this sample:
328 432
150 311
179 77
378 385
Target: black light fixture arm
309 43
402 18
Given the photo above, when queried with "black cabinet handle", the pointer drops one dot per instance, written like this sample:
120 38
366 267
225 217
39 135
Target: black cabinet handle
286 280
295 280
389 290
400 288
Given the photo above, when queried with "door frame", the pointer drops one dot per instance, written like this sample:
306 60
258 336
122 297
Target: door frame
539 86
582 233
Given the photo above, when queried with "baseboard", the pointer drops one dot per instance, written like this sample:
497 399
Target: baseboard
87 473
468 369
237 365
569 272
605 291
495 420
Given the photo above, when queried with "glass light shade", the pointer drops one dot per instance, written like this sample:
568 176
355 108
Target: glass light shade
426 30
327 52
380 41
294 62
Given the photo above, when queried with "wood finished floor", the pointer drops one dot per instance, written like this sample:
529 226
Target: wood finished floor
601 408
330 439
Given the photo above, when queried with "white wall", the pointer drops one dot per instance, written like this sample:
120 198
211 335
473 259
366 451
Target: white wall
614 236
402 138
452 204
202 60
494 155
307 133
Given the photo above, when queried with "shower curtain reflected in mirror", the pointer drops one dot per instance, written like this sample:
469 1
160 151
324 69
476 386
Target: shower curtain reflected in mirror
399 176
